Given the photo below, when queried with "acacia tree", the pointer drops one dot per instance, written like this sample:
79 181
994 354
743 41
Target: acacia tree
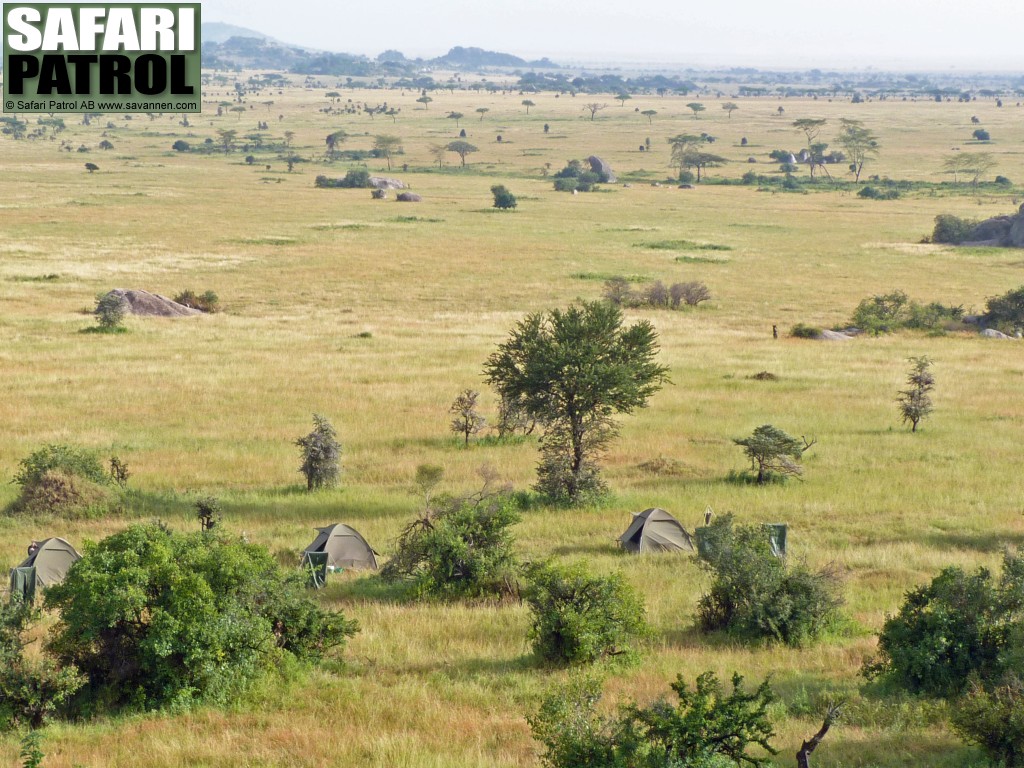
622 98
333 140
859 143
972 164
468 420
649 113
482 111
811 127
386 144
573 370
425 101
697 108
594 107
774 453
730 107
456 116
461 148
915 401
527 103
687 153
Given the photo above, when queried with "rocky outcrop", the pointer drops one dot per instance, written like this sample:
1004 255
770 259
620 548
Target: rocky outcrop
1004 231
408 197
383 182
152 304
602 169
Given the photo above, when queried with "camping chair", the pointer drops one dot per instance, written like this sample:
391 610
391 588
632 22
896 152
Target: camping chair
315 565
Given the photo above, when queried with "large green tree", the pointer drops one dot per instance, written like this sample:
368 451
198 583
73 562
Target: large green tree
573 370
153 617
859 143
461 148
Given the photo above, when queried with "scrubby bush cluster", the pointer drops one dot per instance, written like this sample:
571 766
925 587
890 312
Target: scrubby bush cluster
155 618
321 454
579 617
952 230
756 595
576 177
873 193
459 547
503 198
1006 312
708 727
208 301
357 178
885 313
620 292
64 480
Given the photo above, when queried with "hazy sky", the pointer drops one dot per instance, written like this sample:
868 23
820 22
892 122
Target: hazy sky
934 34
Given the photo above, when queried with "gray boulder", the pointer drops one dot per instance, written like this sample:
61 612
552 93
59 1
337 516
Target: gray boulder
992 333
602 169
827 335
408 197
382 182
152 304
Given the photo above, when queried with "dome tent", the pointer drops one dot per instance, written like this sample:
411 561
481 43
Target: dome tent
344 546
47 564
655 530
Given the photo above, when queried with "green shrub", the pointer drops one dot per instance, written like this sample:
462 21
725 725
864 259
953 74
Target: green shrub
356 178
994 720
578 617
957 626
64 458
707 728
882 313
502 197
952 229
566 185
32 690
110 311
155 618
458 548
1006 311
803 331
181 146
871 193
321 454
205 302
750 177
934 317
756 595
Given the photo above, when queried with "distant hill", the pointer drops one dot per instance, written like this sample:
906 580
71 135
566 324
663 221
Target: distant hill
477 58
227 46
219 32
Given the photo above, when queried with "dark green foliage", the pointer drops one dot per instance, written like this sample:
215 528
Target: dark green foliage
578 617
321 454
573 370
357 178
981 134
181 146
994 720
207 301
459 547
32 690
873 193
707 728
208 512
934 317
1006 311
502 197
952 229
802 331
59 457
758 595
155 618
63 480
31 753
882 313
110 311
575 176
915 401
957 626
773 453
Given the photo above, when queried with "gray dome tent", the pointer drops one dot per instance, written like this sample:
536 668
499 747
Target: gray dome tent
344 546
48 565
655 530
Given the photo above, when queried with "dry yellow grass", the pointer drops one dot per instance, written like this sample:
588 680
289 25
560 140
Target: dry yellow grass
213 404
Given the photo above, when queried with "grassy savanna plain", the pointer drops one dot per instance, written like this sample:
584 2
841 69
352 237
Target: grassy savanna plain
377 313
